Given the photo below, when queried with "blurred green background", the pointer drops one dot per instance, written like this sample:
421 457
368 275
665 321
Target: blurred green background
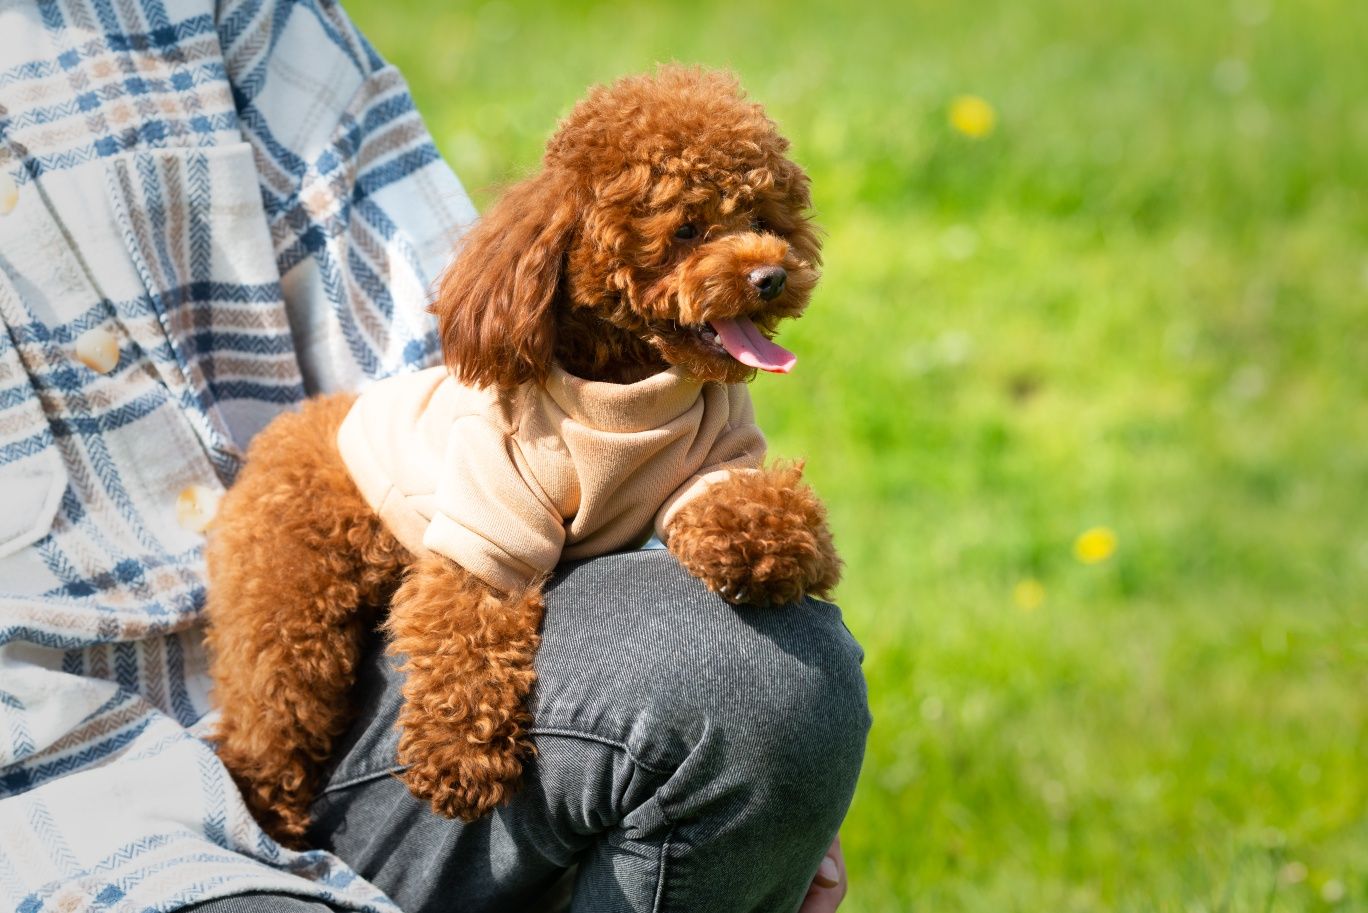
1128 294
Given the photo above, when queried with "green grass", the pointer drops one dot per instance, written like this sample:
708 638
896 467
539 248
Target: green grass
1142 303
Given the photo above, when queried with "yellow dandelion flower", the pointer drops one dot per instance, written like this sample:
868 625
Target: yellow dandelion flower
1028 594
972 116
1095 545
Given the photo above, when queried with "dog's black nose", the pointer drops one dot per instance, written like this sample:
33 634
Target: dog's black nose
768 281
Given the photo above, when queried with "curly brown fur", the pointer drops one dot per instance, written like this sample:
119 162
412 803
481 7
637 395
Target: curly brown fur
580 262
296 557
469 652
658 197
759 538
295 554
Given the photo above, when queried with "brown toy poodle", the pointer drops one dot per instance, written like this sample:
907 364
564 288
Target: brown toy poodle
598 325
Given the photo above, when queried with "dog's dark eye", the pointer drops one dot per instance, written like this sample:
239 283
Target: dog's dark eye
686 232
759 225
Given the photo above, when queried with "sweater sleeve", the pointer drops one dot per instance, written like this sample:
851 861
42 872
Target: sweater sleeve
491 517
739 448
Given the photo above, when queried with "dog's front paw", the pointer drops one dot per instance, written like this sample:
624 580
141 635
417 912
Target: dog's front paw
758 538
469 670
460 778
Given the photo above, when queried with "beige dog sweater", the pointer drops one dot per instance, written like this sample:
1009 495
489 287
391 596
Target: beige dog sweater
507 486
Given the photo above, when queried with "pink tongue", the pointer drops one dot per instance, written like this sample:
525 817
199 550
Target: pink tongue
744 342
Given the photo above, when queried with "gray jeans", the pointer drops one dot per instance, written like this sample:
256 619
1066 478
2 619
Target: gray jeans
691 756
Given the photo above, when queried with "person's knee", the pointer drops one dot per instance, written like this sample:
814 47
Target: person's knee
762 706
259 902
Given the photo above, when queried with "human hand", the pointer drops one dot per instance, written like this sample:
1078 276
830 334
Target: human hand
829 885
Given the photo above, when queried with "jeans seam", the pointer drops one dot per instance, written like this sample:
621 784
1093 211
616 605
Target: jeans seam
360 778
595 737
368 775
657 904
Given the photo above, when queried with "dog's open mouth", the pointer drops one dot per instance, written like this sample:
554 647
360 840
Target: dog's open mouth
741 339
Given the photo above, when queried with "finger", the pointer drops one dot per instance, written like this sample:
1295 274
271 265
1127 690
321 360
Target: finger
828 874
822 900
838 857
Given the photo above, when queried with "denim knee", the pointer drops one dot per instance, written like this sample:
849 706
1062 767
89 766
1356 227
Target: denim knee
720 744
691 755
634 648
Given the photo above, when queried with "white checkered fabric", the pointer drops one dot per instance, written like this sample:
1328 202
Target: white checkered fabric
207 212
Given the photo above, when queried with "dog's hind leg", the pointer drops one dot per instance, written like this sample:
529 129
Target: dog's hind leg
468 661
295 556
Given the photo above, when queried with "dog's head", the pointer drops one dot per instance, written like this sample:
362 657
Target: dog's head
666 227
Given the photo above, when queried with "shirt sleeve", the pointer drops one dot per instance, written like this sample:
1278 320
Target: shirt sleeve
363 212
739 448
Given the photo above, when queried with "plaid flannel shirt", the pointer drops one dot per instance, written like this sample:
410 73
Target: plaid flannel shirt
207 212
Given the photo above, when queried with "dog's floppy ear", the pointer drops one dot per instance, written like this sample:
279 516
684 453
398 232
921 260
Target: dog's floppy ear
494 305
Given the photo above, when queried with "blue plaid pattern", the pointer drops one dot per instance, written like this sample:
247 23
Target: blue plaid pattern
208 211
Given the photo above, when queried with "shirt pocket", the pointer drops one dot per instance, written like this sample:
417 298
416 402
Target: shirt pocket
212 320
33 478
